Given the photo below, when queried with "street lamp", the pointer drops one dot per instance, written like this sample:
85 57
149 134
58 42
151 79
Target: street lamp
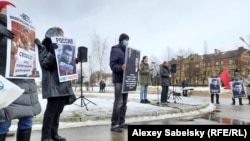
242 39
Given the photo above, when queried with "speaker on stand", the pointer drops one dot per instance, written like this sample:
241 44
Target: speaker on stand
82 56
173 71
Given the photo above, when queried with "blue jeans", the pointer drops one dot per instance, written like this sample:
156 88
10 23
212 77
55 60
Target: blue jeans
23 123
164 93
144 91
119 106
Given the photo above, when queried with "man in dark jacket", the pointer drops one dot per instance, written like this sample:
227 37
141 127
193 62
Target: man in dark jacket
165 81
236 77
27 105
117 65
57 93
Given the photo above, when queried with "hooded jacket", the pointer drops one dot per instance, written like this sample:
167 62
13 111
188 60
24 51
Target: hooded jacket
27 104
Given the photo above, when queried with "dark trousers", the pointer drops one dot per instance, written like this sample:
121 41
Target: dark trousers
184 93
164 93
51 117
119 106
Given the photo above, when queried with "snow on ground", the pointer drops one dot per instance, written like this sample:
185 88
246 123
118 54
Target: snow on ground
99 106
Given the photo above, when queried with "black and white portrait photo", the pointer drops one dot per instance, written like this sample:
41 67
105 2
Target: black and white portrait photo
214 85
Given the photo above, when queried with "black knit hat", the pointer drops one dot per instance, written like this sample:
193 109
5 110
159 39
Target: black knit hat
122 37
236 70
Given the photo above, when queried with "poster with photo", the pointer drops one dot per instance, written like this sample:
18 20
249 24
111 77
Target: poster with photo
130 75
22 54
238 89
65 57
214 85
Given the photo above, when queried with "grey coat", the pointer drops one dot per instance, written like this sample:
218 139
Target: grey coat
164 73
51 87
27 104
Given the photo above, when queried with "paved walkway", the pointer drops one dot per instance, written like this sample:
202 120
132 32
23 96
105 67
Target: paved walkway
76 129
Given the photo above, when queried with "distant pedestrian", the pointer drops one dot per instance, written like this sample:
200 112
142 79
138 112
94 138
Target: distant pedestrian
102 86
165 81
144 76
184 84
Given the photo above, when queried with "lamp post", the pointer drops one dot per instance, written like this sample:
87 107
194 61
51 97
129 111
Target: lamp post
242 39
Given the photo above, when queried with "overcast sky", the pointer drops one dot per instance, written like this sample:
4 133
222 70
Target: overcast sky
153 25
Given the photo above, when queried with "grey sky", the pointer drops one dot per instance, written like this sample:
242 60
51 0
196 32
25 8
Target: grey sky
153 25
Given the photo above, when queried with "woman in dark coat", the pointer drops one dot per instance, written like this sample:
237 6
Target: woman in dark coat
57 93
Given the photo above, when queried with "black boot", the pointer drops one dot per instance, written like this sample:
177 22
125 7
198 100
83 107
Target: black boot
54 130
217 99
248 98
2 137
58 138
233 103
240 101
23 135
212 98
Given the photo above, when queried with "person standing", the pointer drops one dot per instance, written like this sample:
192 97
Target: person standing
184 84
236 77
100 86
214 89
144 76
25 107
247 84
165 81
57 93
103 86
117 65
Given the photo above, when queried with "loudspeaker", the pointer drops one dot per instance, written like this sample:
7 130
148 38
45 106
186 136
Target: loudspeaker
173 68
82 54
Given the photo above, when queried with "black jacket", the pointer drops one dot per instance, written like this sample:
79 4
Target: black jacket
51 87
117 59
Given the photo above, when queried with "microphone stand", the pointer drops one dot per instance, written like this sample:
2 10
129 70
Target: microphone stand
156 80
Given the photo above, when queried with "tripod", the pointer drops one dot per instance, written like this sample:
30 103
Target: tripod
175 95
82 97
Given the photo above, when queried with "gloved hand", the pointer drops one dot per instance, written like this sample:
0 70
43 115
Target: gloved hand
38 43
53 46
4 32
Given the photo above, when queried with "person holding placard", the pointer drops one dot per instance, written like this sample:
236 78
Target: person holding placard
25 107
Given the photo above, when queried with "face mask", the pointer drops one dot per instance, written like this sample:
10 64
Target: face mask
125 43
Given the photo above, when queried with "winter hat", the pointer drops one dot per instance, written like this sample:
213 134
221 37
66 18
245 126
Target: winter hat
54 31
4 3
236 70
122 37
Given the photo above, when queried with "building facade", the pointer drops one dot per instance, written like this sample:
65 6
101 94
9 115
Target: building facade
198 68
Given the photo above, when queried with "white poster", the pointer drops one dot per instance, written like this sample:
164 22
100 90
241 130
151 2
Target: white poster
9 92
65 57
22 53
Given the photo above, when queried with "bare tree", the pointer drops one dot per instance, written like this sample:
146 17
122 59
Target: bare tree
100 53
